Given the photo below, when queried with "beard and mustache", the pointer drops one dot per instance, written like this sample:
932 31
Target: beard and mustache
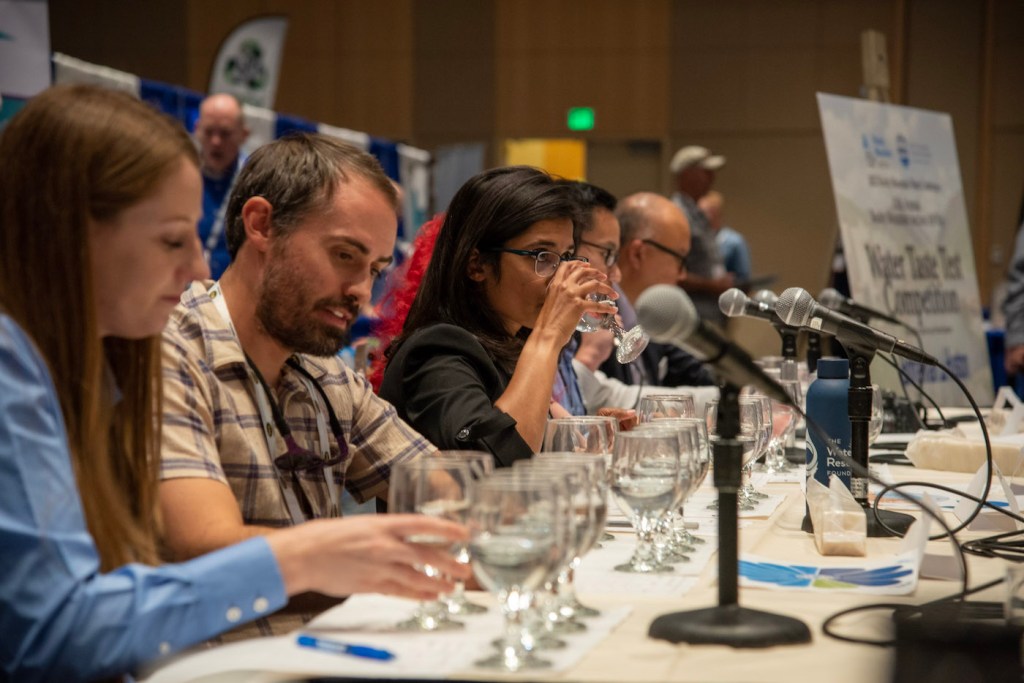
283 307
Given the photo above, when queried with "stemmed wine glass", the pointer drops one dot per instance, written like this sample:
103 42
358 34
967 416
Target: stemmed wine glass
517 535
593 434
695 461
437 488
590 509
655 406
751 435
628 344
646 481
481 464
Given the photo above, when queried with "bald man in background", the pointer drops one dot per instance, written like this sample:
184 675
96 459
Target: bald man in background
220 132
654 244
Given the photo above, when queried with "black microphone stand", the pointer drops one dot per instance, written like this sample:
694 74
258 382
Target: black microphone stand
788 335
860 427
728 623
813 351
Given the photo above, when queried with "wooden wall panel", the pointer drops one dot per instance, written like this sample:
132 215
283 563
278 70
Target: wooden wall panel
556 54
145 39
347 63
454 77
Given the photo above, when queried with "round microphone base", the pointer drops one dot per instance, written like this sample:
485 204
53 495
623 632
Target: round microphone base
729 625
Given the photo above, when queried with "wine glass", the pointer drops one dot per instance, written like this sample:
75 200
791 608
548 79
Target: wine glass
628 344
590 498
877 413
481 464
593 434
582 434
582 518
749 436
437 488
516 526
701 465
646 482
655 406
672 546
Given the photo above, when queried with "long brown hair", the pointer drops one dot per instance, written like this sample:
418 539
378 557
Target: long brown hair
76 155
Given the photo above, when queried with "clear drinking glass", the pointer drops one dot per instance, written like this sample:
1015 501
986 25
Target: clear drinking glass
646 482
654 406
582 513
877 414
592 434
750 436
672 545
628 344
481 464
516 526
436 488
593 494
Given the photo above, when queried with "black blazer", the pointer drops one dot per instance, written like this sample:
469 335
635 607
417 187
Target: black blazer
442 382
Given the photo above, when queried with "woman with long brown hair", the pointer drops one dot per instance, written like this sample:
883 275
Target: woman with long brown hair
99 199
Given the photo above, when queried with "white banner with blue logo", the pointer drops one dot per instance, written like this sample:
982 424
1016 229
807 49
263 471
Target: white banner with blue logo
900 204
249 61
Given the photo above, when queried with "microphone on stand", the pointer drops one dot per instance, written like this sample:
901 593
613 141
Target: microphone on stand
669 316
796 307
831 298
734 303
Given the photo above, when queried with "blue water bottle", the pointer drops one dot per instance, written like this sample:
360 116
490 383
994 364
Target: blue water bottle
827 401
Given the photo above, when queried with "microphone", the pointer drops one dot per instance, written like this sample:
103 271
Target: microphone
797 307
766 296
830 298
733 303
669 317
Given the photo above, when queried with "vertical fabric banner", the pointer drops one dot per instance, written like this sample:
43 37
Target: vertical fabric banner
24 52
249 61
414 177
900 203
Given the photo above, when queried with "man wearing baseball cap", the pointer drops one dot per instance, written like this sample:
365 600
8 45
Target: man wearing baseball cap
693 173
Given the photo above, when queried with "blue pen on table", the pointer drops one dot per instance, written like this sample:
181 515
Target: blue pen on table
340 648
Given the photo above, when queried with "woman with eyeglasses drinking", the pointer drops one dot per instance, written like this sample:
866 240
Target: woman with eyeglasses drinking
476 362
99 199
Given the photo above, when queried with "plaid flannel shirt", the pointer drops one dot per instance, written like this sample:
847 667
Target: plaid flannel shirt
212 426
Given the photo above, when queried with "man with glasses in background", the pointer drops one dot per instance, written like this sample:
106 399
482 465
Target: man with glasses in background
220 133
263 425
654 246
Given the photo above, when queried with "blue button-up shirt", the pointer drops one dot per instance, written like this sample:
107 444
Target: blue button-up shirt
60 617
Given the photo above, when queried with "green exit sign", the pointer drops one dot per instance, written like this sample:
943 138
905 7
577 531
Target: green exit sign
580 118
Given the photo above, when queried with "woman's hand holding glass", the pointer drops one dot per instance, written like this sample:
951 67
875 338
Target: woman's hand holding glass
569 297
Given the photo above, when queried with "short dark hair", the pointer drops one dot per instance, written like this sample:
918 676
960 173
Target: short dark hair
298 174
589 197
490 209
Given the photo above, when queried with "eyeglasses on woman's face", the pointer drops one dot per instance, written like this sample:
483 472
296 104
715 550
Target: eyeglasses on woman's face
545 263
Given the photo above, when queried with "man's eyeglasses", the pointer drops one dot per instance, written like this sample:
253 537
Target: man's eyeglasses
545 263
661 247
609 256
